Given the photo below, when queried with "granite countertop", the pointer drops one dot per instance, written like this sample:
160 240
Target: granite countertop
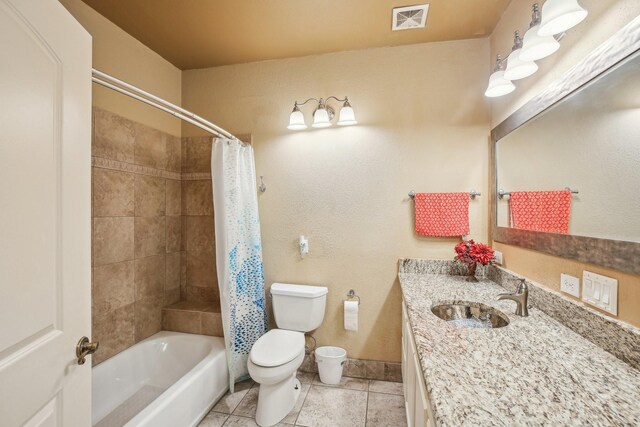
533 372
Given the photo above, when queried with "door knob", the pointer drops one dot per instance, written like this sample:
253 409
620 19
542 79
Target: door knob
85 348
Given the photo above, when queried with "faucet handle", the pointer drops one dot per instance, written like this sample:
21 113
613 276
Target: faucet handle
522 286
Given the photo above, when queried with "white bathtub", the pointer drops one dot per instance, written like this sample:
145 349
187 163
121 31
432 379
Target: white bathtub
170 379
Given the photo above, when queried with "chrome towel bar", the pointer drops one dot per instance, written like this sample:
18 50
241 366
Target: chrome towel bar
472 194
502 193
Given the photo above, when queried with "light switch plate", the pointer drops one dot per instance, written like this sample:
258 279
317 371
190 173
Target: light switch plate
600 291
570 285
497 257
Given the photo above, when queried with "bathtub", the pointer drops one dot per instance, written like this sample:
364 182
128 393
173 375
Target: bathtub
170 379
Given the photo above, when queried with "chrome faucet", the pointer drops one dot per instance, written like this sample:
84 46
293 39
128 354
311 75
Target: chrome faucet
521 297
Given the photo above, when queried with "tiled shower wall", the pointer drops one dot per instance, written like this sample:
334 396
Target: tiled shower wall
200 283
137 230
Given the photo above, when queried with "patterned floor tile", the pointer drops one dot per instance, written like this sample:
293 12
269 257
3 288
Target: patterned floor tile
331 407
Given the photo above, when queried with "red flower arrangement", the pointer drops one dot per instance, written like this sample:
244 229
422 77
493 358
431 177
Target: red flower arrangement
471 253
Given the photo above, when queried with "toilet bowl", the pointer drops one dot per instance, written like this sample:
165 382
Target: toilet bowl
273 363
276 356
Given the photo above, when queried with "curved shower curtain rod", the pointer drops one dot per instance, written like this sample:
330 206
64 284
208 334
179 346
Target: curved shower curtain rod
134 92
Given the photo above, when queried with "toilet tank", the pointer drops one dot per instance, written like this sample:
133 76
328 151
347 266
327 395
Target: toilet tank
298 307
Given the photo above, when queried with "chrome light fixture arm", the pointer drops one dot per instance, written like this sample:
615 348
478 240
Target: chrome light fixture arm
300 104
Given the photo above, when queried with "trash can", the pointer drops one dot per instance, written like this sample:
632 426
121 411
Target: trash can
330 361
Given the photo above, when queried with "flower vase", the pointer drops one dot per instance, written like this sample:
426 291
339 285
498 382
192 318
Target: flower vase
471 277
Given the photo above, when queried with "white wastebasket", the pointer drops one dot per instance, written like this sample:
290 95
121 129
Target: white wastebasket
330 361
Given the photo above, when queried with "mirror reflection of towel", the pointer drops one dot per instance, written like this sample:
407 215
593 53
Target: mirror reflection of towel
442 214
546 211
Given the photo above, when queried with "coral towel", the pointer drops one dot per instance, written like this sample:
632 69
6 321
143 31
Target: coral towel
442 214
547 211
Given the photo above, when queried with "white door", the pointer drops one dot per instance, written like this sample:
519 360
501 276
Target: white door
45 193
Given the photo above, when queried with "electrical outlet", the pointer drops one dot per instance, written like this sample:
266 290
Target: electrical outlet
497 257
600 291
570 285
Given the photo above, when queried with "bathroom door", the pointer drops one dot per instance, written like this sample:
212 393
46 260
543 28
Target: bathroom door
45 194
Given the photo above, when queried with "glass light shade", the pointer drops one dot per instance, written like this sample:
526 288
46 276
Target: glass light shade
321 118
347 117
296 120
498 85
560 15
535 46
518 69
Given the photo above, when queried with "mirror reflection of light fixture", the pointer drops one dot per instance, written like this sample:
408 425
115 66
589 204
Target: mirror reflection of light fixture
323 114
498 84
517 68
535 46
560 15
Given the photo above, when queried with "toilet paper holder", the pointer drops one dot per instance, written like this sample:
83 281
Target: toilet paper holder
352 294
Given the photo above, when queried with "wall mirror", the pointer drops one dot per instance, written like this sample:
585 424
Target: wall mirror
575 149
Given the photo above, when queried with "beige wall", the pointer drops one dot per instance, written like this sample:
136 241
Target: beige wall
423 125
605 18
120 55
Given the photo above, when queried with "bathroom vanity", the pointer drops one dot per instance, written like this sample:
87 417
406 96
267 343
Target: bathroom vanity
534 370
417 404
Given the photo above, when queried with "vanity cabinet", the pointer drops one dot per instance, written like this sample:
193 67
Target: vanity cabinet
418 407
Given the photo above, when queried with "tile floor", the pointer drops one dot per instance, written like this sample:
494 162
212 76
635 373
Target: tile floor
354 402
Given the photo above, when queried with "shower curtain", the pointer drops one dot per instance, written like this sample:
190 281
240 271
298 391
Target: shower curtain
238 252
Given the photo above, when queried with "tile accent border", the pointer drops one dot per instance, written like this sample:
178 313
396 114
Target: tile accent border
101 162
195 176
616 337
360 368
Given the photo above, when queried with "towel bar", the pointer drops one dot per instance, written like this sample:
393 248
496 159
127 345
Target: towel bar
502 193
472 194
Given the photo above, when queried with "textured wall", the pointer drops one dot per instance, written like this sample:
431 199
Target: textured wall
120 55
424 126
605 18
137 230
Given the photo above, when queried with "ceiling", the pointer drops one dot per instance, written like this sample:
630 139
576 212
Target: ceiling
207 33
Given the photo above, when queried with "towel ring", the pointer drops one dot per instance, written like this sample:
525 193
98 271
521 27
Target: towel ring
352 294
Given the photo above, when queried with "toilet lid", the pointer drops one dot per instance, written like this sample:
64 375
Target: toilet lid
277 347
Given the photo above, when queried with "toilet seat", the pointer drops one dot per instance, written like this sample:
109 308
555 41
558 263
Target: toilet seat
277 347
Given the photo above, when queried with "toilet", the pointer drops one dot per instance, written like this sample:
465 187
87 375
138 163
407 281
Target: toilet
276 356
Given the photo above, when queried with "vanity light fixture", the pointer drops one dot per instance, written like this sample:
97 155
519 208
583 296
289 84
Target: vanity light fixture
347 117
560 15
498 84
322 115
517 68
541 40
535 46
296 119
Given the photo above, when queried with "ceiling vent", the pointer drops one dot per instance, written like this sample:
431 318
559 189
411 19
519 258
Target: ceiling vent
408 17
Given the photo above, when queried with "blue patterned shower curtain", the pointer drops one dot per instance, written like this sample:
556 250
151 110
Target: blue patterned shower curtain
238 252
